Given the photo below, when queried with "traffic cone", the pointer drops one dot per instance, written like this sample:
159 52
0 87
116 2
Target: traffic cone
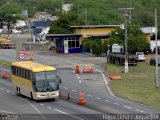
4 74
81 99
77 69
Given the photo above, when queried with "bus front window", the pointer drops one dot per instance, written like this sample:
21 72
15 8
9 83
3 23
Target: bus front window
53 82
46 81
40 81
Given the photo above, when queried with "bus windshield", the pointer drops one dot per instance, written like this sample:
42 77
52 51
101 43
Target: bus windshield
46 81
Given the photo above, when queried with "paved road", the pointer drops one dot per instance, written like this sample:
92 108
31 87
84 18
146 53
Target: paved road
45 110
95 86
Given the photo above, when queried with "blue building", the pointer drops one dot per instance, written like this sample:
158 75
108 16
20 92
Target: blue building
66 43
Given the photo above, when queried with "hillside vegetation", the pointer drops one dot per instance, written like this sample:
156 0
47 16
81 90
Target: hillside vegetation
94 12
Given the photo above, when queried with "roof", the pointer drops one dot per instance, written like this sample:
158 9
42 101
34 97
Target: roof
148 30
64 35
95 26
33 66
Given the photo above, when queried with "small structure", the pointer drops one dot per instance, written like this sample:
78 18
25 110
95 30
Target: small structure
66 43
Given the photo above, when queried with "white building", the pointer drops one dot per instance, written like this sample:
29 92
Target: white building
66 7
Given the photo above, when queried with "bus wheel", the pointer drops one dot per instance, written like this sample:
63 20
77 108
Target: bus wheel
17 91
31 95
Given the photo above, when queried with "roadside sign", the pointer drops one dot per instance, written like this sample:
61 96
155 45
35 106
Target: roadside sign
21 56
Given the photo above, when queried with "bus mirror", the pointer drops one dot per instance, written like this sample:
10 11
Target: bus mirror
60 81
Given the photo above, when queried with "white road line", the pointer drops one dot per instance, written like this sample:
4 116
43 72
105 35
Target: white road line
98 98
77 76
80 81
13 93
105 81
34 108
49 107
65 88
127 107
1 89
107 101
89 95
7 112
41 104
140 111
8 91
117 104
74 90
68 114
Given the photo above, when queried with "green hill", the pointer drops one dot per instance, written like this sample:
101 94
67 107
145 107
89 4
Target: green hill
99 11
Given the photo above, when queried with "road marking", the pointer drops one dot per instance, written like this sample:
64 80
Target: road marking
107 101
127 106
34 108
8 91
49 107
1 88
68 114
89 95
117 104
98 98
140 111
13 93
65 88
41 104
74 90
80 81
6 112
77 76
105 81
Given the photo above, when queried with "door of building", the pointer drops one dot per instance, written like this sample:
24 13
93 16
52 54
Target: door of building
65 46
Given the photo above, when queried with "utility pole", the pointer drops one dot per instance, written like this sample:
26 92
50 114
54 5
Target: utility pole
86 19
78 12
62 6
156 80
130 13
126 37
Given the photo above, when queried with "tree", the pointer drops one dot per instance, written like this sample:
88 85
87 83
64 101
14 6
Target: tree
62 25
9 14
96 46
136 39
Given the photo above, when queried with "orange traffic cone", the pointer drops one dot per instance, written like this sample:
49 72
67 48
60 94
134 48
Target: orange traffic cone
81 99
77 69
4 74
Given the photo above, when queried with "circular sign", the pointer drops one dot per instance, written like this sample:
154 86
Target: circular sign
21 56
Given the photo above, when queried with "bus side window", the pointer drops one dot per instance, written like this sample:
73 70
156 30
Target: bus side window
18 71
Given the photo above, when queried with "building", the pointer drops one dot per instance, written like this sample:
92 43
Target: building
66 43
66 7
93 31
72 43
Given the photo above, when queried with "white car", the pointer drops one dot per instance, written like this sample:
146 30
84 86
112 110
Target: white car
140 56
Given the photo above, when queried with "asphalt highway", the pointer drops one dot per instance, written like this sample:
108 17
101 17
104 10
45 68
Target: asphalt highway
95 85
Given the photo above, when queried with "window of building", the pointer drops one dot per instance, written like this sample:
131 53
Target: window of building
73 42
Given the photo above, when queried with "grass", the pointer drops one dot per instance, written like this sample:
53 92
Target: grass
5 63
137 85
